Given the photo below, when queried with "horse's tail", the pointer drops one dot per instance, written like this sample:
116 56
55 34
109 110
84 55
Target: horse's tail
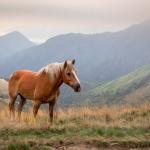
13 84
13 91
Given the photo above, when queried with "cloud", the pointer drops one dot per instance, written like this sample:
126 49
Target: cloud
72 15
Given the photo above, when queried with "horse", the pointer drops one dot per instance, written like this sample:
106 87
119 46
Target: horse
42 86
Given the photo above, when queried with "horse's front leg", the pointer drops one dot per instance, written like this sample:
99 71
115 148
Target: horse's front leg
51 109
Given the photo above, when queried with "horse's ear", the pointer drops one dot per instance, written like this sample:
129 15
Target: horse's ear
65 64
73 61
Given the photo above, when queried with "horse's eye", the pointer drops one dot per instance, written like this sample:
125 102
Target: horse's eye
68 74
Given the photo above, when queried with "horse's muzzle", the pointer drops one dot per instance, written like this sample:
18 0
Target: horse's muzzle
76 87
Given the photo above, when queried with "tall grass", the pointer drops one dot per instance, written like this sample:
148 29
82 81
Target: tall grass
124 116
124 125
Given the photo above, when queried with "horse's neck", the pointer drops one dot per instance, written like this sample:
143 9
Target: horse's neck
57 84
56 78
53 73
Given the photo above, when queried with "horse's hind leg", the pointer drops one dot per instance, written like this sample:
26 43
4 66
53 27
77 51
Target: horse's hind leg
20 106
12 107
36 108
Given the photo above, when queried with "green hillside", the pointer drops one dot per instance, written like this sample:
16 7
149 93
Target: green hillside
118 89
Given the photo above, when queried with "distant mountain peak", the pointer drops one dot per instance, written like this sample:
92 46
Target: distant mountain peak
15 34
13 42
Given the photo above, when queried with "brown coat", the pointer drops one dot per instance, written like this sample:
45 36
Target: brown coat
42 86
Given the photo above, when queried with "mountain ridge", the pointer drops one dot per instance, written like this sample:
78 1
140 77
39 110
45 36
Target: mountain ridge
100 57
13 42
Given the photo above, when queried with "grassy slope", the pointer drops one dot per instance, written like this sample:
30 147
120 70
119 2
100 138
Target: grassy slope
119 88
114 126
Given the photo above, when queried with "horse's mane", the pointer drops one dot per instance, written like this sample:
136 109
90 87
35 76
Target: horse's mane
51 69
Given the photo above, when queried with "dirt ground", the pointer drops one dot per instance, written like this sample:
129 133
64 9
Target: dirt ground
89 147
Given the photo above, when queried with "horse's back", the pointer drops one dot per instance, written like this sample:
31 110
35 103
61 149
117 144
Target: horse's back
17 80
18 75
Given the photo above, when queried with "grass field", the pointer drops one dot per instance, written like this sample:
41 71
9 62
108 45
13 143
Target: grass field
115 127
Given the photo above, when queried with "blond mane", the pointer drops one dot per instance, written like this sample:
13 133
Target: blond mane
52 69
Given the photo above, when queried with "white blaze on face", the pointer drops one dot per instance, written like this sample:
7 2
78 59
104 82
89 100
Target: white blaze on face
75 75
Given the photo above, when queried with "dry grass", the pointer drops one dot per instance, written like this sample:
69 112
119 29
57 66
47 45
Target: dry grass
109 116
85 124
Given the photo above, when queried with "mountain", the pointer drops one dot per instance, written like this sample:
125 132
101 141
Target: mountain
13 42
100 57
133 87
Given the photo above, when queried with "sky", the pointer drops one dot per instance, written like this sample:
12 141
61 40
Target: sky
42 19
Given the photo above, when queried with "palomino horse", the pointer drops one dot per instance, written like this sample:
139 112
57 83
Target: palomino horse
42 86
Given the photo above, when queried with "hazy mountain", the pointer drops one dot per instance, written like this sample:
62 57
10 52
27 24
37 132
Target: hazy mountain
100 57
12 43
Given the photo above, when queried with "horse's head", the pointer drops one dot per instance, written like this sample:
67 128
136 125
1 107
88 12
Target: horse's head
70 76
